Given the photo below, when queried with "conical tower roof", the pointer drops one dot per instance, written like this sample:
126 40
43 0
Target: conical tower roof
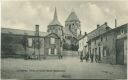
72 17
55 20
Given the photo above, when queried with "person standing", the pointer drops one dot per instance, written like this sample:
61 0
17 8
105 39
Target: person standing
81 56
91 57
87 57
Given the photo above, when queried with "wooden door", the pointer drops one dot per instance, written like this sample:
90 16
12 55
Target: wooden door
120 51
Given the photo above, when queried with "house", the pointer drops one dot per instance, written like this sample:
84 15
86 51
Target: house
114 45
37 43
52 45
121 43
11 40
110 46
95 41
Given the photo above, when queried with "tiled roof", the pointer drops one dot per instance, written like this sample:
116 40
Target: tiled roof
21 32
115 29
98 31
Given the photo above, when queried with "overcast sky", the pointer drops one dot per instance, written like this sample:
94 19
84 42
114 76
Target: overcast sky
25 14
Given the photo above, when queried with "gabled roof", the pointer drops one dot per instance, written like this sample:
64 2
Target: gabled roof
21 32
81 37
55 20
98 31
72 17
53 34
115 29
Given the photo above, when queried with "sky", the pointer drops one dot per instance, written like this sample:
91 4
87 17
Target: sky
25 14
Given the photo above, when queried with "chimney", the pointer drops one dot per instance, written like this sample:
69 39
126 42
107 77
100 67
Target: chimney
37 30
98 26
85 33
37 27
106 23
115 23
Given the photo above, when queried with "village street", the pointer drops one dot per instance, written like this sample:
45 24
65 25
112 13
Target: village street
66 68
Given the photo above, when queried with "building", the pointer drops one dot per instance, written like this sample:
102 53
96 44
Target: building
11 40
72 25
121 43
55 26
95 46
72 31
83 47
110 45
52 45
69 34
39 44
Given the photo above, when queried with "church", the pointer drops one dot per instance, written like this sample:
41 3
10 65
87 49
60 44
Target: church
69 33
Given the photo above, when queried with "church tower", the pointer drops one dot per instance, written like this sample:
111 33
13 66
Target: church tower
55 26
72 31
72 25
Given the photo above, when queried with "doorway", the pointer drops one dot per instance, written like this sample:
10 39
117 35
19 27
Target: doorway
120 51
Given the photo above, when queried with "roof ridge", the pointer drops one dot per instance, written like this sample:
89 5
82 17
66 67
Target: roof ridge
21 29
98 28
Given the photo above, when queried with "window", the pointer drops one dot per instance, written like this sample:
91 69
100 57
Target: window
55 51
104 53
52 40
101 38
30 41
52 51
95 41
122 31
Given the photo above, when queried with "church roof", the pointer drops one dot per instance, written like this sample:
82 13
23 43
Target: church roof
55 20
72 17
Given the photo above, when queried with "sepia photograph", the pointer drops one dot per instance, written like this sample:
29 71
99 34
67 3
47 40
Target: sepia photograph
64 39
